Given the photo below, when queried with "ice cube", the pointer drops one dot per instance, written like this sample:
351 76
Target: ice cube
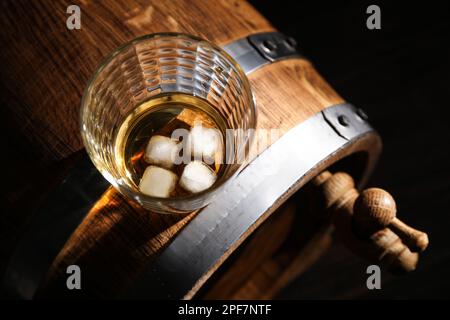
197 177
205 143
157 182
161 151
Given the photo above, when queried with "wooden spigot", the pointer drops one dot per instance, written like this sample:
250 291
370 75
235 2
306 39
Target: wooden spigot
366 222
375 209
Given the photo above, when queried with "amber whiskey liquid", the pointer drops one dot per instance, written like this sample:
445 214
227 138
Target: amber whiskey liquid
161 116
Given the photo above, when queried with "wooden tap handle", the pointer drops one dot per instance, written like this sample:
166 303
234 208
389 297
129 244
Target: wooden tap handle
375 209
416 240
366 222
393 253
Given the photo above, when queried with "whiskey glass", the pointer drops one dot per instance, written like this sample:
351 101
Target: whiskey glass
155 65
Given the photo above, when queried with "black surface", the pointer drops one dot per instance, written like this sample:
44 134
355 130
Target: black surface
400 75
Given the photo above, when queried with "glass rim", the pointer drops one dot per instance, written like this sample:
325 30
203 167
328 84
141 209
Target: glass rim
124 188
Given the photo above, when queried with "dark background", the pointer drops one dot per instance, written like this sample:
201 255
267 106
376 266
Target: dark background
400 75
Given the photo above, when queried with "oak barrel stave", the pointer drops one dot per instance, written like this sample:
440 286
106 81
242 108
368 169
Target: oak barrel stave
47 68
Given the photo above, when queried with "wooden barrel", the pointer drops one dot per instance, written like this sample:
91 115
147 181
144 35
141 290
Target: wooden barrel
46 68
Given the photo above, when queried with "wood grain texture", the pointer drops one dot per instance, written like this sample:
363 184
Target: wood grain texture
261 271
118 239
375 209
279 270
120 252
45 66
282 105
289 92
392 93
114 243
